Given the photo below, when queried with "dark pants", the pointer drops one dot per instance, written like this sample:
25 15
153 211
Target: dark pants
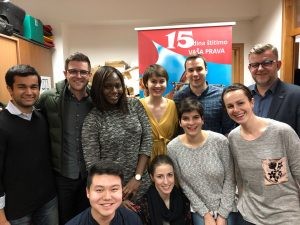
71 197
46 215
239 220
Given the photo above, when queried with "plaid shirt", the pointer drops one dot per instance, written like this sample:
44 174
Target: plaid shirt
215 117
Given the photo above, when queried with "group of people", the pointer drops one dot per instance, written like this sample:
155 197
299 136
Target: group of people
92 155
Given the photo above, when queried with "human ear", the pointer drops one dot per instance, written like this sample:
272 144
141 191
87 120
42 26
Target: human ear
87 193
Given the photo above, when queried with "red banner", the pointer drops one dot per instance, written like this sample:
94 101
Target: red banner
169 47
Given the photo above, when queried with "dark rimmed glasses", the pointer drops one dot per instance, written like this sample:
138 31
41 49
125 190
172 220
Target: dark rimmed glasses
264 64
74 72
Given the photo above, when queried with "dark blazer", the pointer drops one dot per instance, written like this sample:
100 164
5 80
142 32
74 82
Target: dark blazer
285 106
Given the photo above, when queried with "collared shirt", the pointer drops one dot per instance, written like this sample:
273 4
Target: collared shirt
73 117
12 109
215 117
262 103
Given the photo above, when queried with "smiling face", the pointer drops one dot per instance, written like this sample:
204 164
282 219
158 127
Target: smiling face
164 180
156 85
77 80
112 89
238 106
196 73
105 196
264 76
24 92
191 123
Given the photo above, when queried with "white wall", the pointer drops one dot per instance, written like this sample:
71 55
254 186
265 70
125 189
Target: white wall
266 28
103 43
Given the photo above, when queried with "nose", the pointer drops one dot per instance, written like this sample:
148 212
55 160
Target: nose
235 108
195 73
165 180
260 67
114 89
106 195
28 91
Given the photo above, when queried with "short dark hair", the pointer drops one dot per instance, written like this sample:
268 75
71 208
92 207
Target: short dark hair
104 167
194 57
155 69
261 48
97 89
189 104
235 87
159 160
22 71
79 57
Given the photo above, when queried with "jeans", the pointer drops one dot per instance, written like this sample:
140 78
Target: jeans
46 215
72 197
233 219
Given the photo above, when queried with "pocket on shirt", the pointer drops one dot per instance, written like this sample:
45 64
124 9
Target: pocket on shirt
275 171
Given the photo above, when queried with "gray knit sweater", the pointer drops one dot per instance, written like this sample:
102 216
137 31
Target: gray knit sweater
205 173
267 172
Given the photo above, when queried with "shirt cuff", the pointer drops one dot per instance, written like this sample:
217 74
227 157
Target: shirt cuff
2 202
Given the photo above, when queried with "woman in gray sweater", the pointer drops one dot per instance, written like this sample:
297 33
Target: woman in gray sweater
204 167
266 155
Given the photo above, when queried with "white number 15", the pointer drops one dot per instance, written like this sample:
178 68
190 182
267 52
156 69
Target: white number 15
184 39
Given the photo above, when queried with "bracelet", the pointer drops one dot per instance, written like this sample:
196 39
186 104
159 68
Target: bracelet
214 214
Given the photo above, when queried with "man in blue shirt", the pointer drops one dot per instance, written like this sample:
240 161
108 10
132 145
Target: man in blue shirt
272 97
215 118
104 190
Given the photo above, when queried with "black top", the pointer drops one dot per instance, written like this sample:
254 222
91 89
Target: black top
123 216
26 177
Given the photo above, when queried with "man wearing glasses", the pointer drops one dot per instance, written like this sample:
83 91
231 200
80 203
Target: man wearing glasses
272 97
66 107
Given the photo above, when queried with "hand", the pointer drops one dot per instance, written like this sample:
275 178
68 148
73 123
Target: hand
221 220
131 188
6 222
130 205
209 220
3 220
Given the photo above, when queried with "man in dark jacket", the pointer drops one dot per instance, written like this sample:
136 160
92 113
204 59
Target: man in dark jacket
272 97
66 107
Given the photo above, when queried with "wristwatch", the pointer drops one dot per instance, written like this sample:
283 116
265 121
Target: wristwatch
138 176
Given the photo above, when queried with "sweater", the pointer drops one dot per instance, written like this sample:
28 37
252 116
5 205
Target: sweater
268 174
25 171
120 137
205 174
123 216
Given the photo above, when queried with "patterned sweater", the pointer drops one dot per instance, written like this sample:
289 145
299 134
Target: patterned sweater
205 174
119 137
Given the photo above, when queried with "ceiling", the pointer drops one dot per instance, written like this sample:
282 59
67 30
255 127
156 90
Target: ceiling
139 12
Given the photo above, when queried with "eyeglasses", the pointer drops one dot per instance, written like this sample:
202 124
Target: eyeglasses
264 64
74 72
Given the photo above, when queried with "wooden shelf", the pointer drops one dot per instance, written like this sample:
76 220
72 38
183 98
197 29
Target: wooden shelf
18 50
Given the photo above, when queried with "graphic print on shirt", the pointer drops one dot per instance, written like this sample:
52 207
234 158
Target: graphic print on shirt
275 171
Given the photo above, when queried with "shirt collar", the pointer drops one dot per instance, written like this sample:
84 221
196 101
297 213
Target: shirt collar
271 90
205 91
14 110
